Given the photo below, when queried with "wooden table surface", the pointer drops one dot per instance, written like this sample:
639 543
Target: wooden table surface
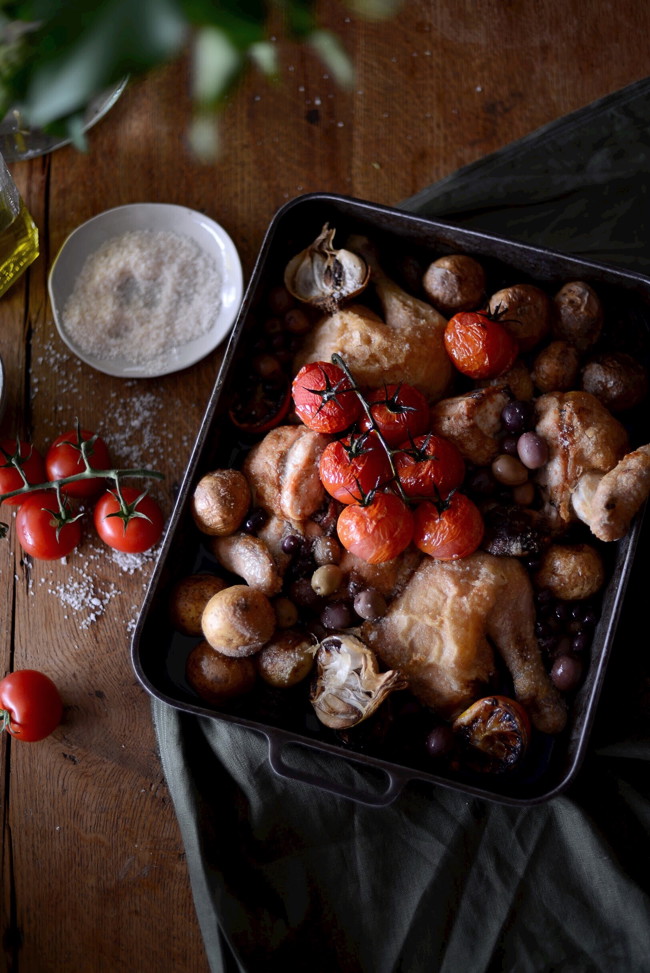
93 871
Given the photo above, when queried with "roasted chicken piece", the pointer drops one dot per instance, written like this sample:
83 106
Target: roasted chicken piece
282 472
608 502
440 633
472 422
405 346
583 438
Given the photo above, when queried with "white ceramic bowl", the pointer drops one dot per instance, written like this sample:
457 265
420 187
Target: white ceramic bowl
112 223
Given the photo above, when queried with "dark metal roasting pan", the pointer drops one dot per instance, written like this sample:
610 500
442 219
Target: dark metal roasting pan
159 653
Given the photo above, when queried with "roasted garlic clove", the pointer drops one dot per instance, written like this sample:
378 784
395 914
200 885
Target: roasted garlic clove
348 686
323 276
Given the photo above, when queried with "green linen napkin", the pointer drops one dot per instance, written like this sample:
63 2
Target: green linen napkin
285 875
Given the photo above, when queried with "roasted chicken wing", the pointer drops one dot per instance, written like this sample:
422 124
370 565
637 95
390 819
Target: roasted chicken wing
441 632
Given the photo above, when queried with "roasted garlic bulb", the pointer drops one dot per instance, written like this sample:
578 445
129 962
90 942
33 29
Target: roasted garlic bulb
348 686
324 276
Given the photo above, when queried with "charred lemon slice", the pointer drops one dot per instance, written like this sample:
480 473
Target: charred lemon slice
493 733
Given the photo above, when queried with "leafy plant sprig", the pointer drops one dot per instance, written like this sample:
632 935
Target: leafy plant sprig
66 514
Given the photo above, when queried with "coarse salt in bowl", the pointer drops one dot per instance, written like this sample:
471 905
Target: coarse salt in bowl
146 289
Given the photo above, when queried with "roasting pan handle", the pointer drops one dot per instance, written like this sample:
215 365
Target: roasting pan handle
396 781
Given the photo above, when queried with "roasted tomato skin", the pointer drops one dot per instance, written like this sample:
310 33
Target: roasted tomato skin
261 408
450 530
495 733
478 345
377 531
400 413
351 468
429 466
324 398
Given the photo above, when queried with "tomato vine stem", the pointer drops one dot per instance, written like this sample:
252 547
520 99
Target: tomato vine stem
338 360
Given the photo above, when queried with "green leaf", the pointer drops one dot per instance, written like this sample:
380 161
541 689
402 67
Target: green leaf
82 48
265 56
375 9
331 51
216 62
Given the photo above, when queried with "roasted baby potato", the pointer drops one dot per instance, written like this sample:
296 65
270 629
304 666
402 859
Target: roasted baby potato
525 311
188 599
455 283
617 379
217 678
578 315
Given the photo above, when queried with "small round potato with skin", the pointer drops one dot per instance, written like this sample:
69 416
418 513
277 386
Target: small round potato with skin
572 572
455 283
525 311
217 678
617 379
238 621
578 315
556 367
220 502
287 659
189 597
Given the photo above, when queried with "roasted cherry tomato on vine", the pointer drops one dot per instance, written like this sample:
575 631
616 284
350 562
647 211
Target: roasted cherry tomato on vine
134 530
324 397
64 458
351 468
377 531
262 405
429 466
400 413
494 732
448 530
39 529
478 345
30 461
30 705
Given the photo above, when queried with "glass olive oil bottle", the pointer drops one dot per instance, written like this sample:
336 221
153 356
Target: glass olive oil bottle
18 232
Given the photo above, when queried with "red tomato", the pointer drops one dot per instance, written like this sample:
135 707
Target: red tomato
452 530
30 462
38 528
495 732
351 468
378 531
400 412
259 408
478 345
30 705
137 530
64 459
324 399
430 466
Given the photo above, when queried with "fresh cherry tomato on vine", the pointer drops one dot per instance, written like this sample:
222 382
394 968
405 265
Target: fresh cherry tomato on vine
39 531
30 705
478 345
132 534
64 458
30 461
324 399
495 732
400 412
377 531
430 466
351 468
449 530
